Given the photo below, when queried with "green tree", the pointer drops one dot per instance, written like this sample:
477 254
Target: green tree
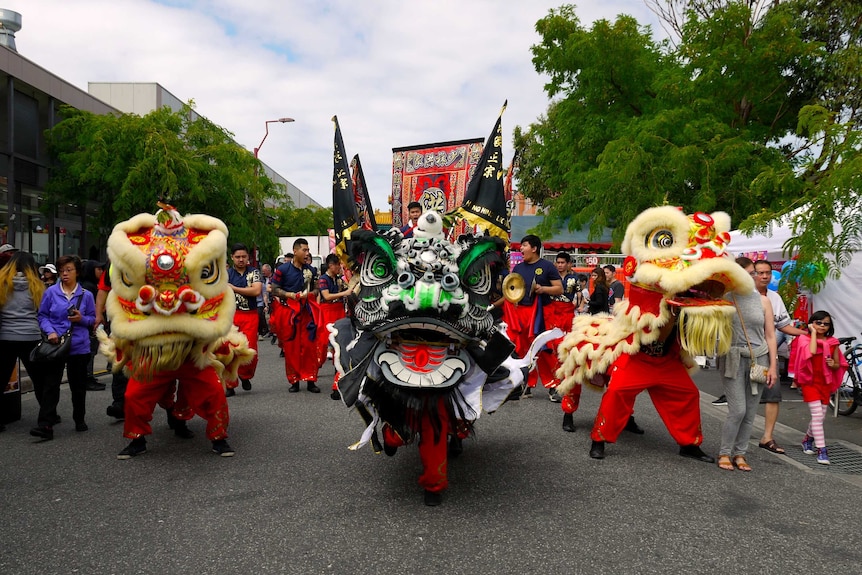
308 221
126 163
750 108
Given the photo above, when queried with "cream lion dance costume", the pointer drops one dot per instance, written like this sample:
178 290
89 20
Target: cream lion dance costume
679 269
171 312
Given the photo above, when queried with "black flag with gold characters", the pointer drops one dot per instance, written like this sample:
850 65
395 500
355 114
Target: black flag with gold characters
366 219
343 204
485 199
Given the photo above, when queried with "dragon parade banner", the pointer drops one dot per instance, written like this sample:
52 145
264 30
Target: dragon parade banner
435 175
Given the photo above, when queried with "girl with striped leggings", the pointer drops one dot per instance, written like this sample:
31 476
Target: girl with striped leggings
819 368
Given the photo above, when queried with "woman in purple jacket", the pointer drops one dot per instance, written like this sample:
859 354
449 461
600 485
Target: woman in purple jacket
65 303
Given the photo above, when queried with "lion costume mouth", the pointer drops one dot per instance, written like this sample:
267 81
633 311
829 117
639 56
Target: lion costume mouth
424 353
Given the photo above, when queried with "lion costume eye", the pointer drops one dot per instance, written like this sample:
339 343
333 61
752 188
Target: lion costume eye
375 270
209 273
661 239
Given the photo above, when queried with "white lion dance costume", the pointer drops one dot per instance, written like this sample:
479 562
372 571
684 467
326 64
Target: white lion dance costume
171 314
679 269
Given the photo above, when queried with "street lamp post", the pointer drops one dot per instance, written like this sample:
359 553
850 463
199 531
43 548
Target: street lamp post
266 124
256 255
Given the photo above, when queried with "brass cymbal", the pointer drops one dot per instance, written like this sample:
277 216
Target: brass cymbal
514 288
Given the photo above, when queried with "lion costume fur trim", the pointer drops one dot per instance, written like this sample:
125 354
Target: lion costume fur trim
225 354
597 341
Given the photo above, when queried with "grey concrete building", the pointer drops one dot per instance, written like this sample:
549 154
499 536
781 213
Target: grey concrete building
30 99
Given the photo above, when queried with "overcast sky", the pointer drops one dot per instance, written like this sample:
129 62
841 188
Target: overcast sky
396 72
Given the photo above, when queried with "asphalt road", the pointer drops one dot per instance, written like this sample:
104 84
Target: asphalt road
524 498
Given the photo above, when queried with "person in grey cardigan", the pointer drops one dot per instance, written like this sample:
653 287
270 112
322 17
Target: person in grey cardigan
753 335
21 291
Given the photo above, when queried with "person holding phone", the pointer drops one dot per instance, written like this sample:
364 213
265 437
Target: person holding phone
65 304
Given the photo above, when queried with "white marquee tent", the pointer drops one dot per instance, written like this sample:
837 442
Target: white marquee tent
842 298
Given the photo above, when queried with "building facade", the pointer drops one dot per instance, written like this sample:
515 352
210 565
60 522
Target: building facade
30 100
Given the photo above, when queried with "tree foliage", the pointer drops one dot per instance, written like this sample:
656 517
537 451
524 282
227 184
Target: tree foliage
752 107
126 163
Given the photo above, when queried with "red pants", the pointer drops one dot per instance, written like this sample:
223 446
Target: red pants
200 393
434 453
301 350
520 321
247 322
672 391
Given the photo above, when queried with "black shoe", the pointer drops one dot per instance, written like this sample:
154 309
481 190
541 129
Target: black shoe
568 422
116 411
720 401
221 447
181 429
229 392
246 384
95 386
515 394
633 427
335 395
456 446
554 396
433 498
133 449
389 450
695 452
82 426
42 431
528 392
597 450
312 387
281 353
294 387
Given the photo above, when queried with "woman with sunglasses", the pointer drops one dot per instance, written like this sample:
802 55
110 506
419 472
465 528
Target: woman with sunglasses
819 367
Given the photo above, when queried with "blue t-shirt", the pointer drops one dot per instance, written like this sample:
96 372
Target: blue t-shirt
542 272
293 279
243 280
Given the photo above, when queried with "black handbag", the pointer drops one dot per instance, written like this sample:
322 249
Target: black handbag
46 351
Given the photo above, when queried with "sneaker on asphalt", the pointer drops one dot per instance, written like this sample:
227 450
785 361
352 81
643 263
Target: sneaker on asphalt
229 392
528 392
294 387
312 387
246 384
720 401
116 412
554 396
808 445
42 431
95 386
822 456
221 447
335 395
133 449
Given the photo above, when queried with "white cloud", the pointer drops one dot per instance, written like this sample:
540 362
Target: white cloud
397 73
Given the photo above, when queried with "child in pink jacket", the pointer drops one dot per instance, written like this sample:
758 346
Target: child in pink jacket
819 367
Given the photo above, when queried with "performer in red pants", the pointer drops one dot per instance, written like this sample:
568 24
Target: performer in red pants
246 283
333 291
201 391
298 318
529 317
